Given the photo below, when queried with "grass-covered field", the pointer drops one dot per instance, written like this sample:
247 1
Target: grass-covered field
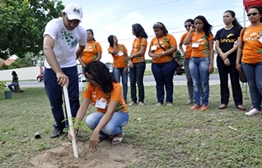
168 136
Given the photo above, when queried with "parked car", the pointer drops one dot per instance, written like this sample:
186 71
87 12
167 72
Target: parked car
40 77
180 71
110 67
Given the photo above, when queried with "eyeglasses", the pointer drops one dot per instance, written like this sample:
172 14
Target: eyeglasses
254 14
188 25
158 24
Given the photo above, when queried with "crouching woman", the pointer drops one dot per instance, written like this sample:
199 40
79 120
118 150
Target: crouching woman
104 92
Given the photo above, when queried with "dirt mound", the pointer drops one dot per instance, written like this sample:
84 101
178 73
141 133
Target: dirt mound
107 155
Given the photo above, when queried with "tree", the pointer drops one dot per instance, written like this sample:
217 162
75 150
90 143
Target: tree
179 56
22 25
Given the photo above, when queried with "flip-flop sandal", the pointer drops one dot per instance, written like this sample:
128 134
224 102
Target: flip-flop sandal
117 140
101 139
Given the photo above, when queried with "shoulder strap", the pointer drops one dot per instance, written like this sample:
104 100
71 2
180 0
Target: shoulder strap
243 32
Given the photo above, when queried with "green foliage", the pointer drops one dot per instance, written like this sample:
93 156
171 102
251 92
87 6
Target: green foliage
179 56
2 85
23 23
148 60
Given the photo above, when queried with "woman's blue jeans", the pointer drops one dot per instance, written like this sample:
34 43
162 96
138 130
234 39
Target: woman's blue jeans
117 72
136 76
200 75
163 74
253 73
114 125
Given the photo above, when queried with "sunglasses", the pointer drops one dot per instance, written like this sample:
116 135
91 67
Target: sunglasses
254 14
157 24
188 25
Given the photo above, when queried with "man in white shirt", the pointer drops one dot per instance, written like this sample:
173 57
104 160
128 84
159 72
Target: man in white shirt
61 51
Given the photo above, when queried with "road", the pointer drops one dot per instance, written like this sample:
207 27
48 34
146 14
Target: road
148 80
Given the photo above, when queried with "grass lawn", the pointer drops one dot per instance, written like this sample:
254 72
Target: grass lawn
167 136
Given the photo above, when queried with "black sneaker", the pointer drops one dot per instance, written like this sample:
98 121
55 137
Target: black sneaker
56 133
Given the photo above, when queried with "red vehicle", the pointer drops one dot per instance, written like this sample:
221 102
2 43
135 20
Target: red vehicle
40 77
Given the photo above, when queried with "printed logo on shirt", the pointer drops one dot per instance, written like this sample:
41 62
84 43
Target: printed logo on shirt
94 94
254 36
230 35
68 37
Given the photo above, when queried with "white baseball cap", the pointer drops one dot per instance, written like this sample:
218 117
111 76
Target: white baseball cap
74 11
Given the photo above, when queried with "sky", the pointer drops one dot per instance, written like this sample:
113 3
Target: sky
116 17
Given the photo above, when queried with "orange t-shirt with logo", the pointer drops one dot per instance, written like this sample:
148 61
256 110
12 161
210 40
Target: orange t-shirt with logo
252 51
166 42
90 52
188 46
137 44
201 41
119 59
95 94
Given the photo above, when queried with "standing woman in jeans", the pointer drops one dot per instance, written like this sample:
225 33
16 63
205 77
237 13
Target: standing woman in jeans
187 55
250 47
120 60
226 46
137 64
202 59
162 48
92 51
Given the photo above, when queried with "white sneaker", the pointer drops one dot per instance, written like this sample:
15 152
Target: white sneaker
253 112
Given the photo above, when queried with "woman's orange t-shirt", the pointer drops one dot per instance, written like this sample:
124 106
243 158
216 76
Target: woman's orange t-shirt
200 40
188 46
252 51
95 94
90 52
166 42
137 44
119 59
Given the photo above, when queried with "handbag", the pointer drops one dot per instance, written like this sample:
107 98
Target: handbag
242 76
178 63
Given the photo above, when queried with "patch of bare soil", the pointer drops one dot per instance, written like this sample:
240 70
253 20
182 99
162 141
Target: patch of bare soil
107 155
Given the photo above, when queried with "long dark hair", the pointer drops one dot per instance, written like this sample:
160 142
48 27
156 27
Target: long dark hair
207 27
91 33
161 26
233 14
111 40
14 73
101 75
259 8
139 30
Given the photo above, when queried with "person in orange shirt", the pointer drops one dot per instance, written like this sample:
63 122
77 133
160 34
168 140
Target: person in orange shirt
187 55
105 93
202 59
162 48
137 64
250 48
120 61
92 51
226 46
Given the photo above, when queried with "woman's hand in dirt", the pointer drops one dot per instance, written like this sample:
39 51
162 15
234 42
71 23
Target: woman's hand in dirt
93 141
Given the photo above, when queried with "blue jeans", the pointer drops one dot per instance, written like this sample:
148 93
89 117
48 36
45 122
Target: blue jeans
189 79
54 93
163 74
136 76
10 86
114 125
117 72
200 75
254 78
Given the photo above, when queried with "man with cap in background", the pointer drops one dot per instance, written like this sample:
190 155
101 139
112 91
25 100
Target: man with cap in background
61 51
